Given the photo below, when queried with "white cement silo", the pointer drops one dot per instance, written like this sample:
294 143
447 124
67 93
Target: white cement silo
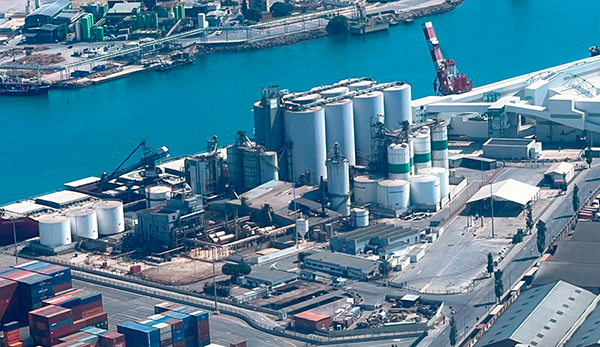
399 161
444 176
84 223
422 146
393 194
398 109
55 231
365 107
425 190
365 189
110 217
339 126
269 169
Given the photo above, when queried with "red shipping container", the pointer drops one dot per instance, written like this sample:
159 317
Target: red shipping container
238 344
62 287
179 344
12 336
135 269
91 305
91 312
167 342
16 344
203 330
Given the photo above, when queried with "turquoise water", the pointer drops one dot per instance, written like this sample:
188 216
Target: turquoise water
70 134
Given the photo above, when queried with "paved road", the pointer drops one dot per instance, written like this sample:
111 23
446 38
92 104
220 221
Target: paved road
471 306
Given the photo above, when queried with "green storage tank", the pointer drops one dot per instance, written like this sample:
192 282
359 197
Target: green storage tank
139 21
176 12
181 11
162 12
99 31
151 20
86 28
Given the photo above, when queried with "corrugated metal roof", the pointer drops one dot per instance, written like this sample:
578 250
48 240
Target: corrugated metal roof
559 168
52 9
311 316
509 190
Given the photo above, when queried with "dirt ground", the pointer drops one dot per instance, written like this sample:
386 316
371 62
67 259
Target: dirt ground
41 59
181 271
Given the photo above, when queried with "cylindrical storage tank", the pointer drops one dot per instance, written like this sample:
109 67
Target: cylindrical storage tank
338 183
157 195
251 163
411 148
399 161
398 108
202 21
359 218
305 133
425 190
422 145
365 189
269 170
84 223
365 107
393 194
439 145
55 231
339 127
444 176
110 217
361 85
307 99
334 92
302 227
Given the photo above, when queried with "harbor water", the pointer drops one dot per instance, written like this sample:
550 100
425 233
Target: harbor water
70 134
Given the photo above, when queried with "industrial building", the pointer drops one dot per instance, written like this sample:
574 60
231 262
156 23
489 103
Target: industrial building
309 321
63 199
510 196
586 334
512 149
269 277
559 175
45 14
379 238
342 265
539 317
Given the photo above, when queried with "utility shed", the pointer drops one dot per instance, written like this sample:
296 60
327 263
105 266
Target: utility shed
342 265
559 175
506 148
588 333
508 191
268 277
584 275
539 317
309 321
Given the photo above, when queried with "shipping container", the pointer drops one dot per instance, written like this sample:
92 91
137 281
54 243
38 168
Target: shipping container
33 288
48 324
61 275
9 301
139 335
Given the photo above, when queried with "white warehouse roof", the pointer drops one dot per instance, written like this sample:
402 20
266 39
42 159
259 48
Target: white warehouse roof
560 168
509 190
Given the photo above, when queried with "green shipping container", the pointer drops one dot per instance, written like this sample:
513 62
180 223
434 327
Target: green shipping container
99 31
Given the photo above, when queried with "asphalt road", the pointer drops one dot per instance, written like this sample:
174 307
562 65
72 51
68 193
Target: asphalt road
473 306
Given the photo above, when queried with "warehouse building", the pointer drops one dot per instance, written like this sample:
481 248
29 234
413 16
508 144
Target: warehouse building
309 321
45 14
512 149
586 231
539 317
510 197
559 175
63 199
342 265
588 333
380 238
268 277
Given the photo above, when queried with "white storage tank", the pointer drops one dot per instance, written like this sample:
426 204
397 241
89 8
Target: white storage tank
251 166
360 85
339 126
55 231
338 182
365 189
444 176
269 169
110 217
359 218
439 145
398 109
422 145
84 223
425 190
393 194
399 161
365 107
334 92
157 195
202 23
305 132
302 227
307 99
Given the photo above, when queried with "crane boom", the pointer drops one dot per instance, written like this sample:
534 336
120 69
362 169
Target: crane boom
448 80
148 160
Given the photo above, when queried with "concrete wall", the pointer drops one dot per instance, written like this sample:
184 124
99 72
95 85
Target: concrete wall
461 126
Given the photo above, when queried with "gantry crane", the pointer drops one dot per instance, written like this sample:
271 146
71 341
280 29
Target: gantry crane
147 162
448 80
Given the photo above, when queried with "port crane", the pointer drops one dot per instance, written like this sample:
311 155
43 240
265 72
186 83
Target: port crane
150 156
448 80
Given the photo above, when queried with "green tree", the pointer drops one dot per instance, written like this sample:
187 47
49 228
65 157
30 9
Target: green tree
236 270
453 332
541 236
301 256
589 157
518 237
498 285
530 223
490 264
253 14
575 198
244 7
281 9
337 25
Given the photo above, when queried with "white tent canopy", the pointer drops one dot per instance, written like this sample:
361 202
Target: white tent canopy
509 190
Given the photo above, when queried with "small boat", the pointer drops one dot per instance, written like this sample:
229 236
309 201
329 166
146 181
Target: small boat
12 87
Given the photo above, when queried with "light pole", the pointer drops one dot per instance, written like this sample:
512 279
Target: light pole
14 222
492 206
214 276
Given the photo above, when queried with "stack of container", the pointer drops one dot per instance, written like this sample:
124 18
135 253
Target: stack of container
106 338
588 212
139 335
11 335
200 326
48 324
33 288
81 337
86 306
176 326
9 301
61 276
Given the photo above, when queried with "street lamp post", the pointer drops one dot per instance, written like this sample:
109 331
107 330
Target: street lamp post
492 207
14 222
214 277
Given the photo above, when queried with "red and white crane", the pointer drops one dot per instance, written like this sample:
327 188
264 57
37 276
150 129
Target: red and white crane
448 80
